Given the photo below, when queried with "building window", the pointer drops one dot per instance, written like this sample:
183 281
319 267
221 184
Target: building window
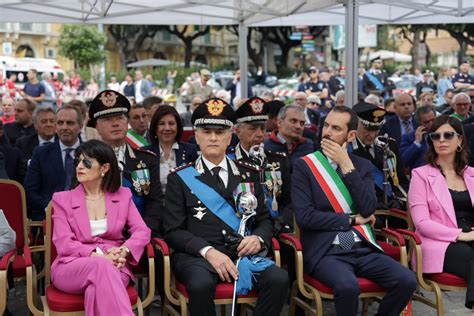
26 27
50 52
207 38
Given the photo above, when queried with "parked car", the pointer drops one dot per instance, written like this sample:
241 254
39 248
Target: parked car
404 84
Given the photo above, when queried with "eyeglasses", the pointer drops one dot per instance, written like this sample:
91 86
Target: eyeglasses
314 103
435 136
86 162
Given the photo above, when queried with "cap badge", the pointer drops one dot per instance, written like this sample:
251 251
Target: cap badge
257 106
109 99
215 107
378 115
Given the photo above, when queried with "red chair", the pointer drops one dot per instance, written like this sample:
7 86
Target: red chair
432 282
176 294
314 290
56 302
13 204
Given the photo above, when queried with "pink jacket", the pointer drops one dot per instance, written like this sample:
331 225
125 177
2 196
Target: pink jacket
72 230
432 210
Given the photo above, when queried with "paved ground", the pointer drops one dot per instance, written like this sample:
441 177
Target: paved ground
454 305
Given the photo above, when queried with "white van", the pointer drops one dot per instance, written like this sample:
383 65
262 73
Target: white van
20 67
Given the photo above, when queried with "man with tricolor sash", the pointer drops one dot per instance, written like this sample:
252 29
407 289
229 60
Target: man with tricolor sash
139 122
335 211
201 221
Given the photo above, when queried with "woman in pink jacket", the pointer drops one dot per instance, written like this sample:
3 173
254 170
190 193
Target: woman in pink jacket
93 255
441 200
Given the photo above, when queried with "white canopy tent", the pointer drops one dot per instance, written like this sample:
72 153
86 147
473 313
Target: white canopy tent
246 13
386 54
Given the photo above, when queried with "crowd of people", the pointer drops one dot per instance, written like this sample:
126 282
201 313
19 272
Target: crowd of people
126 155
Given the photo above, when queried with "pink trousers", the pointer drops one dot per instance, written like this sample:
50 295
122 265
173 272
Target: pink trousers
103 285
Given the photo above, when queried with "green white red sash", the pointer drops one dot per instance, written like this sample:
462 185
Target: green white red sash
336 191
135 140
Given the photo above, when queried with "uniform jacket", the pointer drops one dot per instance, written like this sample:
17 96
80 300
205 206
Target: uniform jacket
318 222
72 229
136 159
432 211
186 233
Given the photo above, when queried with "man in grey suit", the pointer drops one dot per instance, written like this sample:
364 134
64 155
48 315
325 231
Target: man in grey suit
142 87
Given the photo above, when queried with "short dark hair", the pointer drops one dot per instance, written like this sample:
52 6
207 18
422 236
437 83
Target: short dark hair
137 106
103 153
151 100
79 105
353 121
80 118
422 110
30 104
159 114
461 159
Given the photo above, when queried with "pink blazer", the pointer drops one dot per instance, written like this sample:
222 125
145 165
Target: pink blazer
72 230
432 210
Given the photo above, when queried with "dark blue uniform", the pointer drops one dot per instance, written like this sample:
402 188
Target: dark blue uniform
462 78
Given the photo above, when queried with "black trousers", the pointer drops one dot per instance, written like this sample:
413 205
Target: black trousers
459 260
340 268
271 285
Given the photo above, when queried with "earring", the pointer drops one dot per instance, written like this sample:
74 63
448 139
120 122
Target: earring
102 174
459 149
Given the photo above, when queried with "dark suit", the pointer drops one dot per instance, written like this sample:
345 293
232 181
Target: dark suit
313 116
27 144
393 129
335 267
412 155
469 134
15 131
232 88
303 147
187 234
45 175
13 164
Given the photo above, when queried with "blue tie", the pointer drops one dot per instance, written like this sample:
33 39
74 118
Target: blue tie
68 167
346 239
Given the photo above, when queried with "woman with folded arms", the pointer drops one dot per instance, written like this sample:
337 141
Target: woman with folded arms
441 200
94 257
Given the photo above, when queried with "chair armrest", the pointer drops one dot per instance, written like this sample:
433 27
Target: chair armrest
410 235
31 283
7 259
276 252
292 241
275 244
27 256
149 251
162 246
392 235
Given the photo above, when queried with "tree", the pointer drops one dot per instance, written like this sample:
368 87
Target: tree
130 38
462 33
417 34
187 38
255 54
81 44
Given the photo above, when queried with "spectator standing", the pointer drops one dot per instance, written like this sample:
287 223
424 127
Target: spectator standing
23 124
10 89
92 87
34 89
261 76
444 84
463 79
376 79
235 90
127 87
49 91
142 87
201 86
68 92
170 78
316 86
113 84
426 84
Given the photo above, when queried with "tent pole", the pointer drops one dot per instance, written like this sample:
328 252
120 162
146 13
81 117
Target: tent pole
102 78
352 52
243 58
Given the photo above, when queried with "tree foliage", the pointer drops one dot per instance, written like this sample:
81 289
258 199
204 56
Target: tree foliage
81 44
187 37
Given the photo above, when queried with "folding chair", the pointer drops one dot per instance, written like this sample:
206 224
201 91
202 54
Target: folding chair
314 290
56 302
176 294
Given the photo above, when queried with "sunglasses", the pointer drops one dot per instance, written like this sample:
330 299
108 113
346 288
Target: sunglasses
86 162
435 136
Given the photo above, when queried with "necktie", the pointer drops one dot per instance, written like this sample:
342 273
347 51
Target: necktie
220 183
369 151
46 143
408 127
346 239
68 167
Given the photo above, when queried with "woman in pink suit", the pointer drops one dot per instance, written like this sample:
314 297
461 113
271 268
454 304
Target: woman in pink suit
93 255
441 200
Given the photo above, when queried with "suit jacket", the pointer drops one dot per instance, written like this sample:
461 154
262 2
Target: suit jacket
186 152
318 222
392 128
469 134
186 233
145 89
45 175
13 163
432 211
412 155
72 229
15 131
313 116
232 88
303 147
27 144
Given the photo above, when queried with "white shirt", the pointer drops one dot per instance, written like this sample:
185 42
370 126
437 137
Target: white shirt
98 226
138 92
64 147
167 165
114 86
41 141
